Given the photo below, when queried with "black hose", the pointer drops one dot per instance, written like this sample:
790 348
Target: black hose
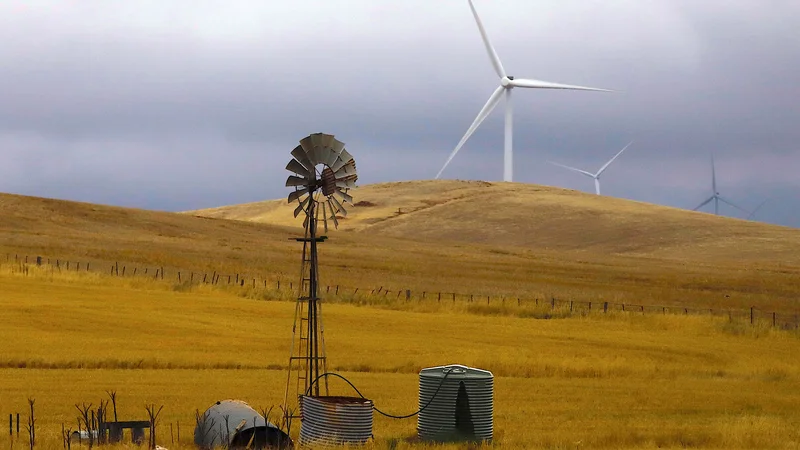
391 416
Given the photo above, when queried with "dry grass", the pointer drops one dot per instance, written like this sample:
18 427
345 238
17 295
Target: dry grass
629 252
615 381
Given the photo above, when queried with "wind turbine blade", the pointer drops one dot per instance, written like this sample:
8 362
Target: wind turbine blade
573 169
753 214
612 159
597 186
494 99
722 199
537 84
704 203
498 66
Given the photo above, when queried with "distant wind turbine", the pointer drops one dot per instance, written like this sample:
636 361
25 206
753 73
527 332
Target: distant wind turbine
507 83
715 194
595 176
753 214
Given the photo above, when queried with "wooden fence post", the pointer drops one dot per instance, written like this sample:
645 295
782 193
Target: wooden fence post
605 307
751 315
774 319
408 294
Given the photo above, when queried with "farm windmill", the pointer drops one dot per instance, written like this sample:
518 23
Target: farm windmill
323 174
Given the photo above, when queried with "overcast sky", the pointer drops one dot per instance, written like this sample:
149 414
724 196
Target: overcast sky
177 105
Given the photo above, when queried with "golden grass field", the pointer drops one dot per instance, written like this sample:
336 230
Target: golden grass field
617 380
620 380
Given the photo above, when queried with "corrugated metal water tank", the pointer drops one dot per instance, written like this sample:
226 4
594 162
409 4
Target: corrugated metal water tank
463 407
332 421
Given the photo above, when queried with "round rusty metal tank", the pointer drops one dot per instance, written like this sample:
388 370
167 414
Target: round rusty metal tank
463 407
234 424
333 421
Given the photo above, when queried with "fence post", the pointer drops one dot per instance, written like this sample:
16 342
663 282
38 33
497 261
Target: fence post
408 294
570 306
487 299
518 302
454 297
590 306
774 319
751 315
179 276
553 303
337 290
623 307
440 298
663 310
686 311
605 307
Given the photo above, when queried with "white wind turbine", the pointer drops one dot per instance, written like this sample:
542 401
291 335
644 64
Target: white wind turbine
507 83
715 194
595 176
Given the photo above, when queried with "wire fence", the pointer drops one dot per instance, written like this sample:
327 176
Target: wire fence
280 283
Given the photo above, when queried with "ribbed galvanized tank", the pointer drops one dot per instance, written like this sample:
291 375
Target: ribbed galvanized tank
331 421
234 424
463 408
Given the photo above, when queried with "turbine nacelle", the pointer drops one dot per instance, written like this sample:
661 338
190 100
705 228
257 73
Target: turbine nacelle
506 82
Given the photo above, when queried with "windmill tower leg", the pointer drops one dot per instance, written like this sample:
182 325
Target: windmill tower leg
508 154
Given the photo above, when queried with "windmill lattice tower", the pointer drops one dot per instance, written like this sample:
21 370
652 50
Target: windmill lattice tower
324 171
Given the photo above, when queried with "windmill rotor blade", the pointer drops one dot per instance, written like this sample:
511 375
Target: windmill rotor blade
298 168
346 183
485 111
538 84
344 158
309 144
498 66
333 214
297 194
722 199
704 203
588 174
301 206
612 159
336 150
301 156
339 208
324 217
344 195
296 181
347 170
327 154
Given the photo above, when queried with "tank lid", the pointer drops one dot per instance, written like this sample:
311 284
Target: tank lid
455 371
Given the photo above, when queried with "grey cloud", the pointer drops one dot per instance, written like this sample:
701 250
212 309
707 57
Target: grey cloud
162 105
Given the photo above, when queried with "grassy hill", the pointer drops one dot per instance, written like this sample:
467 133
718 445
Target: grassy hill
501 239
539 217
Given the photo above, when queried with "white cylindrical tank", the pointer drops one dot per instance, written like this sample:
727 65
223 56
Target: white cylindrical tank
457 404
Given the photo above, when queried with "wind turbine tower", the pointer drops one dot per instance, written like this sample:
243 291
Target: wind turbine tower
507 84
